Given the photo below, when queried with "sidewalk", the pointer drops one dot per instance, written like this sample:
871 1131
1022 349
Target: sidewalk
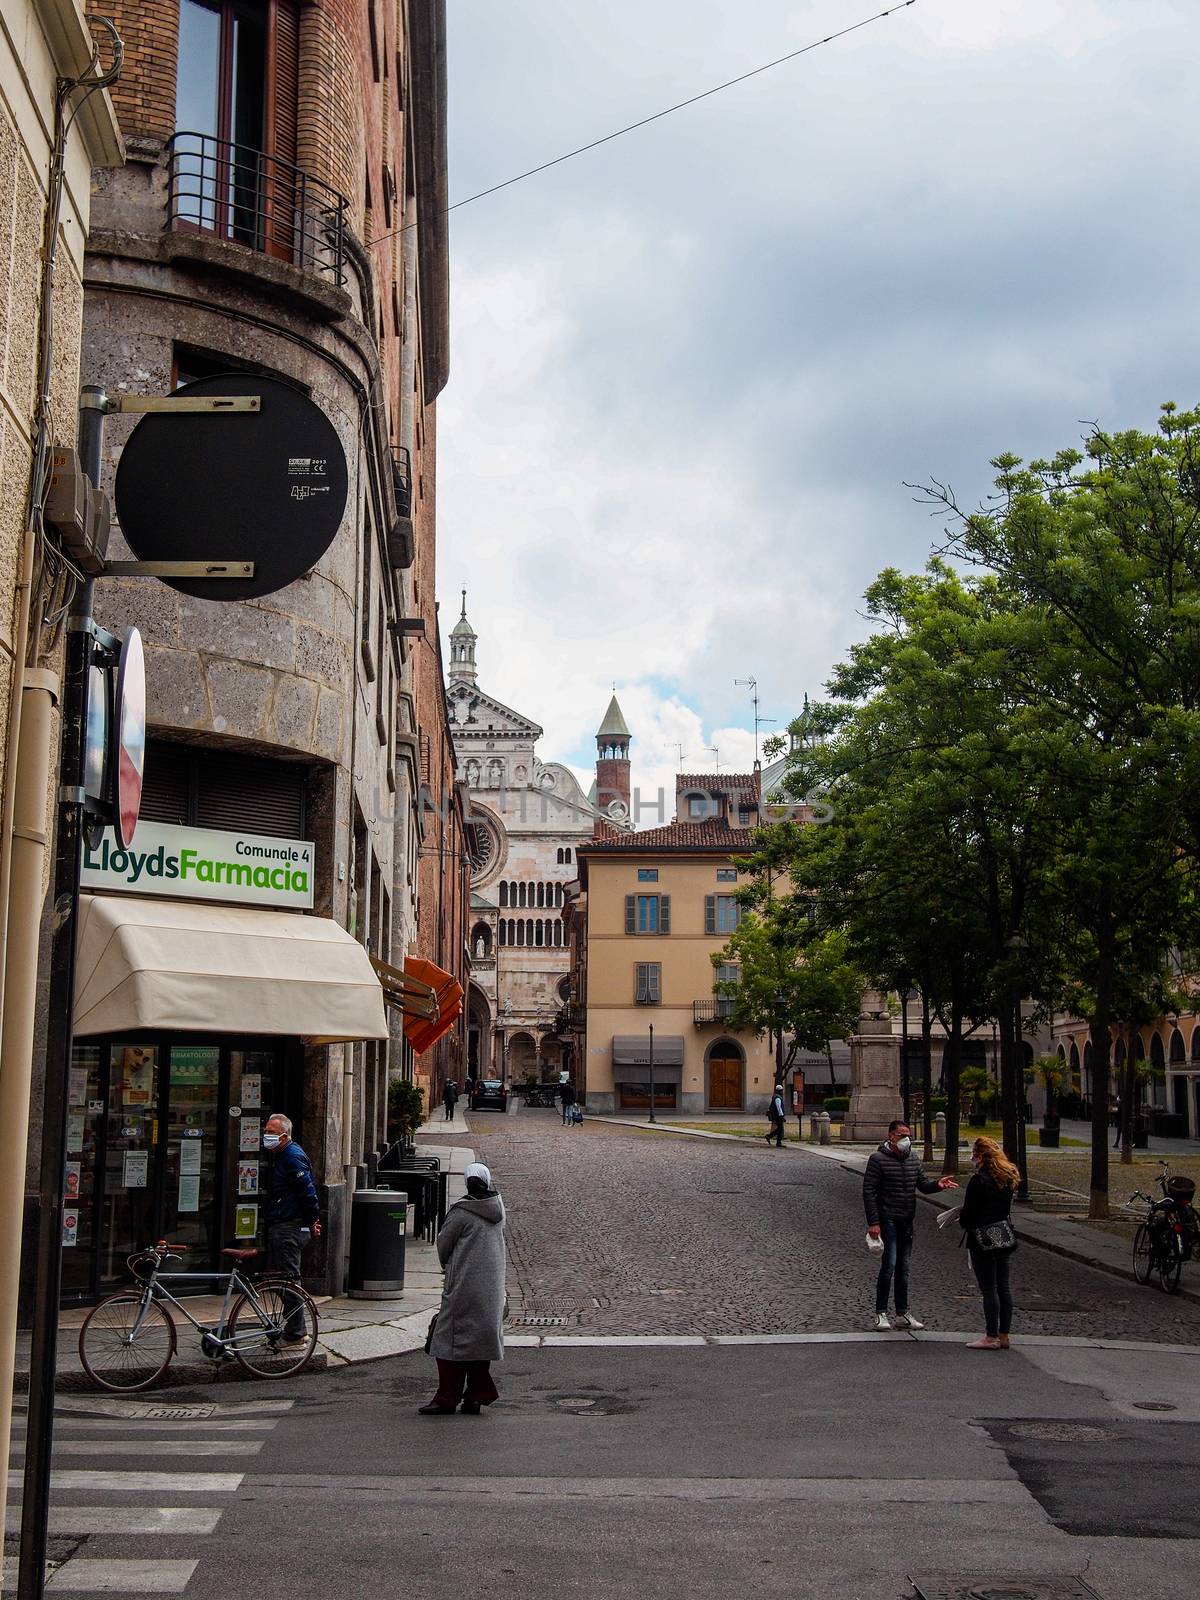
1077 1241
351 1330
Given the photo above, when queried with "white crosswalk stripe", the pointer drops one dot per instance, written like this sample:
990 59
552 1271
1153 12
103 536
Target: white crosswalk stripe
148 1503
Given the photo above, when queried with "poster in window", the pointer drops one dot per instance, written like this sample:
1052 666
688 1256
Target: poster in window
251 1090
135 1169
70 1234
74 1132
71 1180
247 1177
245 1222
189 1193
251 1135
137 1074
77 1086
189 1156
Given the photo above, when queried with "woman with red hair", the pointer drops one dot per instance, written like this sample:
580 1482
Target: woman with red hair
985 1218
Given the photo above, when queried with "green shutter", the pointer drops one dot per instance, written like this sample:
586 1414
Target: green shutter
630 913
664 913
710 913
654 986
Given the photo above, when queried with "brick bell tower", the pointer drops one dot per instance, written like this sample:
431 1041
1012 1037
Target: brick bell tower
612 767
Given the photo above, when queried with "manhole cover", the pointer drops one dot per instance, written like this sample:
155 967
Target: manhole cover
1009 1589
574 1402
1153 1405
1061 1433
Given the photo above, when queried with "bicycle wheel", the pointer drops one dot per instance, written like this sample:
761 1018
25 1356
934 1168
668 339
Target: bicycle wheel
1170 1266
1143 1254
261 1326
126 1345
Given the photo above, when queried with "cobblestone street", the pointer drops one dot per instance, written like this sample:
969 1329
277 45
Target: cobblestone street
620 1232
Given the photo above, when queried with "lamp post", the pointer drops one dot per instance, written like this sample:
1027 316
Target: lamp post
906 994
780 1012
1017 947
652 1072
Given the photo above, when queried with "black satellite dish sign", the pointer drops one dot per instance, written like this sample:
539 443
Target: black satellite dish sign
267 486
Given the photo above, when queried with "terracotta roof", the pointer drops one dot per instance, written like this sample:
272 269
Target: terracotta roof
713 834
716 780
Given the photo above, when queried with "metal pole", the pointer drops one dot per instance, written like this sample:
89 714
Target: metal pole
43 1364
905 1084
1019 1074
652 1072
927 1113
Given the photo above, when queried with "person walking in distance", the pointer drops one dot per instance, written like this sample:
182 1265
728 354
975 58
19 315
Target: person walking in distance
566 1094
450 1098
467 1334
890 1185
778 1115
293 1211
985 1217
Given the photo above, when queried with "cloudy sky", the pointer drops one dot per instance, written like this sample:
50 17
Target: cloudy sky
691 370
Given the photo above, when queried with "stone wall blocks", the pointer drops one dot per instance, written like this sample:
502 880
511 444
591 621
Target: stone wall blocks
292 712
330 736
241 697
176 689
141 603
325 657
241 632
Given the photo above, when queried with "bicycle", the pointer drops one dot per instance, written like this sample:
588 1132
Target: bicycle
1169 1234
128 1341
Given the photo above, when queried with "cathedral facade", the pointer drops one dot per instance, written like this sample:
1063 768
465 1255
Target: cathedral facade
528 819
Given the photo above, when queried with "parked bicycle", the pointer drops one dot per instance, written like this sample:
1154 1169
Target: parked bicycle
267 1325
1170 1233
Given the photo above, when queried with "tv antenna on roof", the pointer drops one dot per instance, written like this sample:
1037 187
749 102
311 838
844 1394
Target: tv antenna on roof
752 685
678 747
716 755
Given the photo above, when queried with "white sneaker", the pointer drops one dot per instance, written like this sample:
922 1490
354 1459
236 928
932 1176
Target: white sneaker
881 1323
905 1319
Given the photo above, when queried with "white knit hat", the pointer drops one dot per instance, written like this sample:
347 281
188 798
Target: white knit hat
478 1170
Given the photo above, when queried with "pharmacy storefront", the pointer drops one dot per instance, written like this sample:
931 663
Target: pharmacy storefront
200 977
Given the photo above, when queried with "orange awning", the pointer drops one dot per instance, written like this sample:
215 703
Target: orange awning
422 1033
405 993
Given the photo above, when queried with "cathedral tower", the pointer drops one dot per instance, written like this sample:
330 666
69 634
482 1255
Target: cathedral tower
462 648
612 765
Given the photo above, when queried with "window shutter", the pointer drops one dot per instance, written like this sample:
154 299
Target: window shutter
640 970
654 975
710 913
283 93
664 913
630 914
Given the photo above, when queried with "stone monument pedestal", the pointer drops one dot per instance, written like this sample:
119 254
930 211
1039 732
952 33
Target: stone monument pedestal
875 1098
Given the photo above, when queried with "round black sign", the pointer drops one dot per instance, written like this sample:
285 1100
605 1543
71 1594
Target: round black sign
267 486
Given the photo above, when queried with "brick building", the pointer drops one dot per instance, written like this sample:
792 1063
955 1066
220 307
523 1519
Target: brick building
281 215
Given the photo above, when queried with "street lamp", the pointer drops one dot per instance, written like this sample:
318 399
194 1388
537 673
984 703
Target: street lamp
906 994
651 1072
1018 946
780 1012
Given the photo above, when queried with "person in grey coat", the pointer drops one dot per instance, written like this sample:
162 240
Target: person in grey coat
468 1332
890 1185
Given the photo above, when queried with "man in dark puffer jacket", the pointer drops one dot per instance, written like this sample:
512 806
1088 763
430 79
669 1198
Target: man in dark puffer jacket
890 1186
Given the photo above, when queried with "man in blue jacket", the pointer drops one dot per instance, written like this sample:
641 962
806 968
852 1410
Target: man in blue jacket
890 1185
293 1210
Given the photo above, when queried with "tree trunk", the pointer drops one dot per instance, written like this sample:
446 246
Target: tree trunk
951 1082
927 1112
1128 1093
1101 1047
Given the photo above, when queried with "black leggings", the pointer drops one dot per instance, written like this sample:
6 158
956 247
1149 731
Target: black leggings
991 1271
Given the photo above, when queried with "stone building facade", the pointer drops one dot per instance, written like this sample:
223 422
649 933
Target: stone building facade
281 214
528 818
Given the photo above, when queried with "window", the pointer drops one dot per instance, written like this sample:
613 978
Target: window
726 874
647 983
567 855
504 894
647 913
698 805
745 816
721 913
647 874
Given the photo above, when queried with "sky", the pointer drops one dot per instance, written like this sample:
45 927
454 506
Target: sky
692 371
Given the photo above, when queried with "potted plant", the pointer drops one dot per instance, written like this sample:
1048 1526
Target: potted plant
1051 1072
406 1110
975 1084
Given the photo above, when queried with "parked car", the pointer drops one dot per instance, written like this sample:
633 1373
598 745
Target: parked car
489 1094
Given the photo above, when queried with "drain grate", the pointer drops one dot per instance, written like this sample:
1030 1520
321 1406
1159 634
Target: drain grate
539 1322
1006 1589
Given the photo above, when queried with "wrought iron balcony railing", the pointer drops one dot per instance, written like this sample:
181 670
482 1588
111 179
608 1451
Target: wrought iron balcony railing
234 192
711 1011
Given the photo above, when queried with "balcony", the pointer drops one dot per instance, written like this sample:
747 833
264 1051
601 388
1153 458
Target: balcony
238 194
704 1011
401 545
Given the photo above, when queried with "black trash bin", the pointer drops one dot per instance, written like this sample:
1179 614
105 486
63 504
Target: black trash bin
378 1222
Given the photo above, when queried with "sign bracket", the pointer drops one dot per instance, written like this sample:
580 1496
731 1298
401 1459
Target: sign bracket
178 569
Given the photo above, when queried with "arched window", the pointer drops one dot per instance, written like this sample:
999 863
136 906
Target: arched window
541 894
502 932
520 930
1196 1042
558 934
1158 1056
1074 1057
504 894
1177 1051
567 855
558 856
558 894
537 931
521 894
512 930
1139 1049
1119 1053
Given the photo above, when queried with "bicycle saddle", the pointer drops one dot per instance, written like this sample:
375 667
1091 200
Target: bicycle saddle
240 1255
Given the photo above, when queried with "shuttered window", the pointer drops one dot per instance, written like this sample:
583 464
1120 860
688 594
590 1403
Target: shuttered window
196 787
710 913
647 913
648 983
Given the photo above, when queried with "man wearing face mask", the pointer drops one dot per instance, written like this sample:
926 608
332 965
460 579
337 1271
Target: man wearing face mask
890 1185
293 1210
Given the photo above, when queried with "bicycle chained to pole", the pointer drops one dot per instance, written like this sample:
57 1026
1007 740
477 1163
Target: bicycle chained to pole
268 1325
1170 1234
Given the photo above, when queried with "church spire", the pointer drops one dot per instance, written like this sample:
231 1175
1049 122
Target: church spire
462 648
613 766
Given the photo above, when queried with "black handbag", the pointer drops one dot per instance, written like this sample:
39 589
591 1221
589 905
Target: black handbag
994 1239
429 1335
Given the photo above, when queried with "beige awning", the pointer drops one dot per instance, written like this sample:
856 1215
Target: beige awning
633 1049
198 967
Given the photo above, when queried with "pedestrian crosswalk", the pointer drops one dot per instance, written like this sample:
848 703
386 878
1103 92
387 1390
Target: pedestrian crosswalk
126 1476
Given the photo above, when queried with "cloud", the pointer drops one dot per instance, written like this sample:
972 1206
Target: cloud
691 370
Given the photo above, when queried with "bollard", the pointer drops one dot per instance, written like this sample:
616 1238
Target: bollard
824 1127
814 1126
939 1131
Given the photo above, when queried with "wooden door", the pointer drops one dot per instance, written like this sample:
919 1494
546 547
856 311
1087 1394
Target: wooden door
725 1083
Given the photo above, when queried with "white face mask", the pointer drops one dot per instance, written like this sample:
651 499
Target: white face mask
270 1141
904 1145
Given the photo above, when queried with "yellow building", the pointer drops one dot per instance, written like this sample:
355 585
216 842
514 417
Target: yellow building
653 909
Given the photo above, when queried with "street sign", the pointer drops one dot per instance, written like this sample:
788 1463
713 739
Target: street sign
129 738
267 486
